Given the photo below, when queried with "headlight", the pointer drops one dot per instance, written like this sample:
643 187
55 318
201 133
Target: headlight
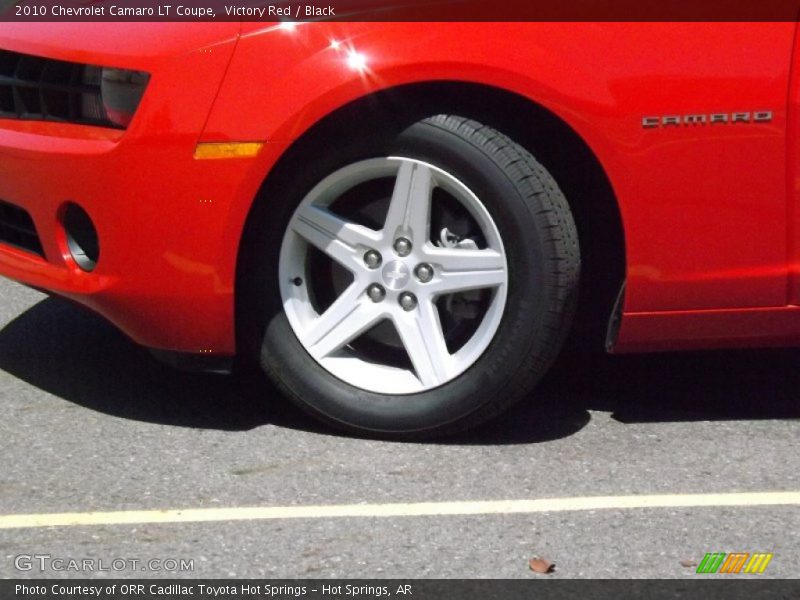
116 95
121 91
37 88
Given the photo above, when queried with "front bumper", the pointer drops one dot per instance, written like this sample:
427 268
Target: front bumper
166 222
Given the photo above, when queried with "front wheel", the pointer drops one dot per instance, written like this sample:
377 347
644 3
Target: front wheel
425 283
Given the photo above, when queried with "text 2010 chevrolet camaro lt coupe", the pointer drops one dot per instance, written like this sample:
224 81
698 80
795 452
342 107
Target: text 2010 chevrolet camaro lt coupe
403 223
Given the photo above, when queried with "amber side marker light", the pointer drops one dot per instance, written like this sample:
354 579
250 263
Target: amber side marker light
214 150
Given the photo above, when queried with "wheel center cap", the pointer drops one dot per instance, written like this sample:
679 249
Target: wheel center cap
396 275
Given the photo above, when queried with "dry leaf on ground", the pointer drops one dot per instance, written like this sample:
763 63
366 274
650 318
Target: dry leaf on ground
541 565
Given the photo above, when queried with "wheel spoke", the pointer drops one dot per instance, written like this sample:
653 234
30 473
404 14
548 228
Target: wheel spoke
422 337
462 270
410 207
348 317
342 240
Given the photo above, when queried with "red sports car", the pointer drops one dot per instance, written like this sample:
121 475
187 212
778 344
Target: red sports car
402 223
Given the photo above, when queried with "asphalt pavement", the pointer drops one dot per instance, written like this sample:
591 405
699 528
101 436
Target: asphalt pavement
91 423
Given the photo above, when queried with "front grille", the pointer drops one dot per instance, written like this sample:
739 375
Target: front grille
44 89
17 229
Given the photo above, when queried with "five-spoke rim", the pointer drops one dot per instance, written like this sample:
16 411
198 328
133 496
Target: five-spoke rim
398 274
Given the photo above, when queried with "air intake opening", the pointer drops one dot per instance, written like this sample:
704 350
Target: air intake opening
17 228
82 240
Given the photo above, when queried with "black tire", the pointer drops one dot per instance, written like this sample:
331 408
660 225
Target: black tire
543 258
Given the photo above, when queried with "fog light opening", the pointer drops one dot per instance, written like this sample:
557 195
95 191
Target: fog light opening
82 241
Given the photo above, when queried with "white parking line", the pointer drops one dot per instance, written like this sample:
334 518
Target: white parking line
416 509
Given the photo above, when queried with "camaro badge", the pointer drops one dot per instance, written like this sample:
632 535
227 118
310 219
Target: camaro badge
759 116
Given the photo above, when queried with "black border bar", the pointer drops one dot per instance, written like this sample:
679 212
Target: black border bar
400 10
537 587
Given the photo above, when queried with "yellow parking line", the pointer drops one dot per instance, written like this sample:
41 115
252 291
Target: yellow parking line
416 509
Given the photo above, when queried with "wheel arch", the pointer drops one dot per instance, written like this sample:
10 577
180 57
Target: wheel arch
554 143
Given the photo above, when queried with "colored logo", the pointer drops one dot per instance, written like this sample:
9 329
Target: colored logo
735 562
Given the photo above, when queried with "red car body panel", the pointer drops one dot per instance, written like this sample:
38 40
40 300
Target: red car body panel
160 278
710 213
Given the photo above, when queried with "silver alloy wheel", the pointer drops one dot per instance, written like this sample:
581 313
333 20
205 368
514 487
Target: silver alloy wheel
409 303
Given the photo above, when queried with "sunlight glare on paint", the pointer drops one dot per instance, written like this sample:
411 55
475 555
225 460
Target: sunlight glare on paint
356 61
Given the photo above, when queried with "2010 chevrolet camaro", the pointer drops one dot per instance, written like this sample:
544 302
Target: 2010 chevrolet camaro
402 223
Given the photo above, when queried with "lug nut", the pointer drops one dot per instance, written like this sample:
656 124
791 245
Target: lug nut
372 259
407 300
376 292
424 272
402 246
